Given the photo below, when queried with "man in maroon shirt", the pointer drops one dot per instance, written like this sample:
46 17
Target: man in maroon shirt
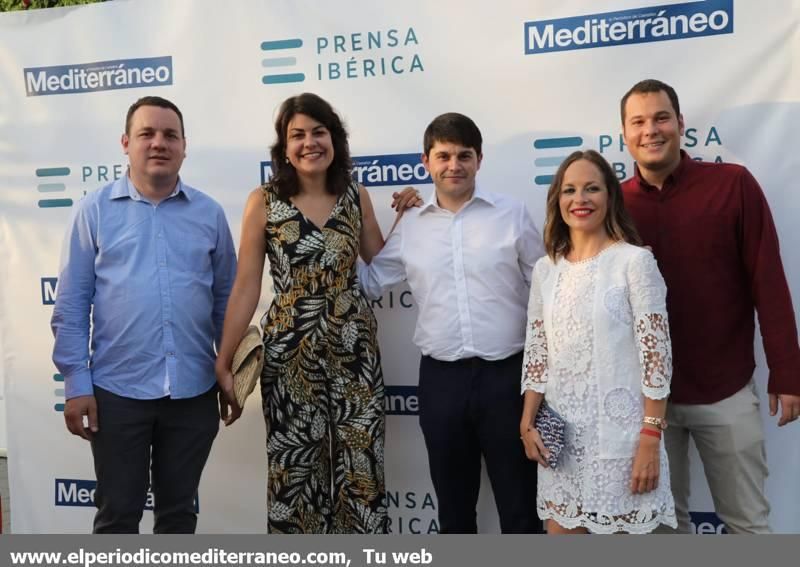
712 233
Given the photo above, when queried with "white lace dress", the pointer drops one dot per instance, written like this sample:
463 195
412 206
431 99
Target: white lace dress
565 357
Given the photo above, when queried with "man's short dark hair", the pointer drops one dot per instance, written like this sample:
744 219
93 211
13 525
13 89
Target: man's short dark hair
650 86
455 128
152 101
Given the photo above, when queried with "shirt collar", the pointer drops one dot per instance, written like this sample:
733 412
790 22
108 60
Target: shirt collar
432 203
673 178
124 187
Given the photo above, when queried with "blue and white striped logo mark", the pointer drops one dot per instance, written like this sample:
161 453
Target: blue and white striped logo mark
52 182
59 392
281 59
550 154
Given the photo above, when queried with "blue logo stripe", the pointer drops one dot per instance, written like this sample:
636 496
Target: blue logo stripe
58 407
279 62
52 171
281 44
543 179
549 161
280 79
58 378
51 187
550 143
54 203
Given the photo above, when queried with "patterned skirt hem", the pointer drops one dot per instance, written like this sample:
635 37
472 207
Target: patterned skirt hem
584 521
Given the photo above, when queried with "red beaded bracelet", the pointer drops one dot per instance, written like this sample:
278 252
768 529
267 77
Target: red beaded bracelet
650 432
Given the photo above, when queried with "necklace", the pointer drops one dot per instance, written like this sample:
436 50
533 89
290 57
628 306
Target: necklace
591 258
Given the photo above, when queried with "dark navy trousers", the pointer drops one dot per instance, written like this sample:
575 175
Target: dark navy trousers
470 409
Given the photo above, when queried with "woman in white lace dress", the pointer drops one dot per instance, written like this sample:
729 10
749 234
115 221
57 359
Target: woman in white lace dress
598 351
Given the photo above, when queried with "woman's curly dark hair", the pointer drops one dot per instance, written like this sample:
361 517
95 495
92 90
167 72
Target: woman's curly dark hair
284 176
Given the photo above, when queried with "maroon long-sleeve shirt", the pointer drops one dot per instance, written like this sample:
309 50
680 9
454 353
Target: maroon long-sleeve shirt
712 234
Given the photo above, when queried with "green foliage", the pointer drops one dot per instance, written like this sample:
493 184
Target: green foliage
10 5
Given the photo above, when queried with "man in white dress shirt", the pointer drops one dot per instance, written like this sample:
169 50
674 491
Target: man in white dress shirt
467 256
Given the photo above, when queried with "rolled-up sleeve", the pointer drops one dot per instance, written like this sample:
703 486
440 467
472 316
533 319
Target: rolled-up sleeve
386 269
224 265
75 292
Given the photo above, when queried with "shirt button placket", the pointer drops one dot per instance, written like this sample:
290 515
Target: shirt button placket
166 302
457 228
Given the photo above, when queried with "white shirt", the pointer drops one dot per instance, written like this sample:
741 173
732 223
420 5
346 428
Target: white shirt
469 271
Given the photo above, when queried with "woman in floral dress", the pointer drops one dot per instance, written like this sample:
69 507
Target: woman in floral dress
322 385
598 351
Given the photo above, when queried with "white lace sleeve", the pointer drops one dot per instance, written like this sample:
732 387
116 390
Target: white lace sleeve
648 296
534 361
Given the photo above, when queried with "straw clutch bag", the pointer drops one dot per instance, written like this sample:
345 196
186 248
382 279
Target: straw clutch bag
248 361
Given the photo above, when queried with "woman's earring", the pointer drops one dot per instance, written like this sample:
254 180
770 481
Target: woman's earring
287 159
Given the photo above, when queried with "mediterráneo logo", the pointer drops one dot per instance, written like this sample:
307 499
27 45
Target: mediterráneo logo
639 25
74 492
79 492
48 286
99 76
707 523
379 171
401 400
387 170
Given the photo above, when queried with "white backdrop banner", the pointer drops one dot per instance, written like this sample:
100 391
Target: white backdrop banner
539 78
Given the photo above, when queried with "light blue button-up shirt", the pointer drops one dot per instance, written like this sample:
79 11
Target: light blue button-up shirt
155 280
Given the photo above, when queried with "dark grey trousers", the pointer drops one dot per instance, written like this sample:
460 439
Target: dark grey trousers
163 444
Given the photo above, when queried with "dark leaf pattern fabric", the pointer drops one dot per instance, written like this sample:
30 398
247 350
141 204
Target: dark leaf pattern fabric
322 383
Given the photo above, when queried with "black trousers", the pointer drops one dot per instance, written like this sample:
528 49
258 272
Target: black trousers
468 409
163 441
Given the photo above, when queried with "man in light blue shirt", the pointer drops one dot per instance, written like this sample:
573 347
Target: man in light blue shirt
152 262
